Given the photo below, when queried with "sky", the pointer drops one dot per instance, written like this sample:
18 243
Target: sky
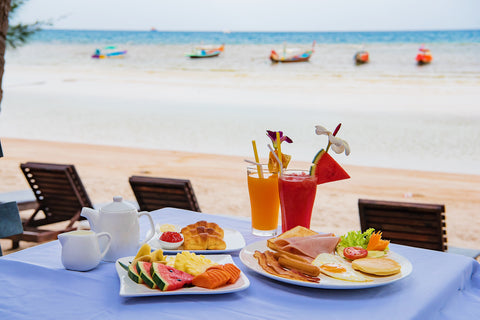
254 15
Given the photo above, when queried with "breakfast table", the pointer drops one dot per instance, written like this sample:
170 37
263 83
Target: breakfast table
35 285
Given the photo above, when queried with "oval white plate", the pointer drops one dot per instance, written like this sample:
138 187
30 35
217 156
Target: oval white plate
128 288
233 239
247 258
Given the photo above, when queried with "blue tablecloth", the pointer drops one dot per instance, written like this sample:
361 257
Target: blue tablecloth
34 285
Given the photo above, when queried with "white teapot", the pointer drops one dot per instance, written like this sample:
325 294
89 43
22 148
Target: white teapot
120 220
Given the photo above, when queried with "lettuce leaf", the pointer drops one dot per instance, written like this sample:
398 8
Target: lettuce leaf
356 239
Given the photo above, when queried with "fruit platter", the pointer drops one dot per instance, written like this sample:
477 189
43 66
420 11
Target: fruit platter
304 257
151 273
201 237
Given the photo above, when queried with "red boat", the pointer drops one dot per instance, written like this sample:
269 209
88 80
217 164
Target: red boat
361 57
424 56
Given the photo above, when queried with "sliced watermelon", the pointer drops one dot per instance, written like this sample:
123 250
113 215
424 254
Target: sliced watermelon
326 169
134 274
144 268
168 278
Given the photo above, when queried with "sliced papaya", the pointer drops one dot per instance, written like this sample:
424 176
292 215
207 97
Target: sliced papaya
326 169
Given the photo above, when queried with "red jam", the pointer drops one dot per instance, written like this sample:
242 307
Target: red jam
171 236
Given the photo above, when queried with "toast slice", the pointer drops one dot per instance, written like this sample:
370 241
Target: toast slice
298 231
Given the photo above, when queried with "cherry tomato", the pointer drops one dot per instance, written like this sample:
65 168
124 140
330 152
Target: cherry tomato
353 253
171 236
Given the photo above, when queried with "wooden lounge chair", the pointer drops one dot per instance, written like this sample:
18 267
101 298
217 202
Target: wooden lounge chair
60 196
413 224
156 193
10 222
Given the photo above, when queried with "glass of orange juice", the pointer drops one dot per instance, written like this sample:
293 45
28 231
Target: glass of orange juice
264 200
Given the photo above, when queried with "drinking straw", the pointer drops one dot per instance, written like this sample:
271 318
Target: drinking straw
276 158
259 166
252 162
334 134
279 148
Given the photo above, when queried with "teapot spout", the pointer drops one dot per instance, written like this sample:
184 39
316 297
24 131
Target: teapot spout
92 217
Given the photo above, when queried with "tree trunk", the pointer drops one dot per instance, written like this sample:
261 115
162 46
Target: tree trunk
4 10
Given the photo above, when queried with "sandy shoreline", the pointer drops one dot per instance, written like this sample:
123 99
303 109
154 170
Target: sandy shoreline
220 184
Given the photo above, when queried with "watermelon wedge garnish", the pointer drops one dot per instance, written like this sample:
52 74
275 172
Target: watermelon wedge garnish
326 169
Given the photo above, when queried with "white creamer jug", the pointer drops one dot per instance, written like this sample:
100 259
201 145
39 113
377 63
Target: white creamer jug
120 220
80 249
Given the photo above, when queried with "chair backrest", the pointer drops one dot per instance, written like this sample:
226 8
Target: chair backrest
156 193
58 189
412 224
10 221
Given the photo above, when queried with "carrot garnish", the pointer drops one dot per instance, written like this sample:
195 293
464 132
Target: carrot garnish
377 243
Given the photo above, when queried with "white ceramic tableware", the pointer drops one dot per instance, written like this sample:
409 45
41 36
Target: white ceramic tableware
168 245
80 249
129 288
120 219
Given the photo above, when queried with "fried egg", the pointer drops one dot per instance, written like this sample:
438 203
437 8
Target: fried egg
336 267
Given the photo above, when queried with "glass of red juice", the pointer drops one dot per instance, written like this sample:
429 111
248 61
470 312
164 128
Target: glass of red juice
297 189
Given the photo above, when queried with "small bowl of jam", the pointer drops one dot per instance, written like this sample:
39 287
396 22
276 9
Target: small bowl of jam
170 240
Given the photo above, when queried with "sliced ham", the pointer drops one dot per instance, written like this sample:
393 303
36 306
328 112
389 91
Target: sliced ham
310 246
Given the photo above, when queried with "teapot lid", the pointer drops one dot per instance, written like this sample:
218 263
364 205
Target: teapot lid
118 206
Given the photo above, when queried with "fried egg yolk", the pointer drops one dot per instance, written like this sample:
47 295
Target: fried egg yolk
332 267
336 267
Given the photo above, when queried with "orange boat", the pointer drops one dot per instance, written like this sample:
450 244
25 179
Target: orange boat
424 56
361 57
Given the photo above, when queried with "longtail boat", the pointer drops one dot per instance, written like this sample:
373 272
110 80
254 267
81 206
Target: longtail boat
204 52
109 52
297 57
424 56
361 57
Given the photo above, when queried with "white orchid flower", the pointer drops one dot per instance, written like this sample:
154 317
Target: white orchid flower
322 130
338 145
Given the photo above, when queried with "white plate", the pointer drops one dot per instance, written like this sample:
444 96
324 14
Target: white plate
128 288
247 258
233 239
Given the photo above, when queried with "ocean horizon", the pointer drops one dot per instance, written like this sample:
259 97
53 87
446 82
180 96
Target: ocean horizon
256 37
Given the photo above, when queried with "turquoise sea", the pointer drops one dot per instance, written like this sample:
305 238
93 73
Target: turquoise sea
456 53
158 37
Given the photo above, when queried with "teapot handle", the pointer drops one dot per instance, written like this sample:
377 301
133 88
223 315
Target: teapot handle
151 233
106 234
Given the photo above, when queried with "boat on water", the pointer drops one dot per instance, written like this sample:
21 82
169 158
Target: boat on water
109 52
424 56
205 52
361 57
292 55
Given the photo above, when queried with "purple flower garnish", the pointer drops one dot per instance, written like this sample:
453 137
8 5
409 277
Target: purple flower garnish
273 136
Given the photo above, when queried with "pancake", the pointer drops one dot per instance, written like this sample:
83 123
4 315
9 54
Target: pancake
377 266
